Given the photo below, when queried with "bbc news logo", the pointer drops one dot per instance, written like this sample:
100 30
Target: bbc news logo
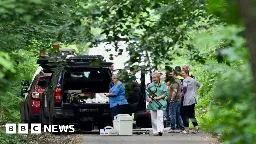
37 128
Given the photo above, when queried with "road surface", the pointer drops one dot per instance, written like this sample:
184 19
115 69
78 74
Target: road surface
167 138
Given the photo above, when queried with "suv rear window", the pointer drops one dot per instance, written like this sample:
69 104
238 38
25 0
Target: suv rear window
93 79
87 75
44 81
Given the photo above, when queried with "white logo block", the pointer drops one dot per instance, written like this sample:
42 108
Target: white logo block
10 128
23 128
36 128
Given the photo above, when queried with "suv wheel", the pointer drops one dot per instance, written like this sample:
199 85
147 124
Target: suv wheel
52 119
86 126
30 116
27 114
143 120
43 119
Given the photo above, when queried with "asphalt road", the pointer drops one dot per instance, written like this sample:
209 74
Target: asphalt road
167 138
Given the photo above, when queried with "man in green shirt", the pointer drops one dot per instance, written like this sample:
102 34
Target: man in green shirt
161 93
174 89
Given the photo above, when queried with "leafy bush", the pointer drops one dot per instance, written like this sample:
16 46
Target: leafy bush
12 138
9 98
226 105
10 105
167 30
233 108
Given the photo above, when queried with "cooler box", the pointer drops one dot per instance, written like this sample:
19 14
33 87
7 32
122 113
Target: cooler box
123 124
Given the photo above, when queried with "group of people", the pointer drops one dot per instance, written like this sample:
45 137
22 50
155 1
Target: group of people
175 91
174 96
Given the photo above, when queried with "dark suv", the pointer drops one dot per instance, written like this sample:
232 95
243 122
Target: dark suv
75 94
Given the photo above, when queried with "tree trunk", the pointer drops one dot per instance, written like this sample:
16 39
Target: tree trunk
247 14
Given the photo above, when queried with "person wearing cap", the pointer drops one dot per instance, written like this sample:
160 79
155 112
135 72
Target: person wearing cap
178 70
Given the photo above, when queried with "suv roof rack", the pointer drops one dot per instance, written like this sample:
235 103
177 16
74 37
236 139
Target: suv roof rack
85 58
42 60
74 61
80 58
88 64
88 57
66 50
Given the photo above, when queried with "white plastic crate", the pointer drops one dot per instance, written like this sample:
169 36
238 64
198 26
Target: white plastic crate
108 130
123 124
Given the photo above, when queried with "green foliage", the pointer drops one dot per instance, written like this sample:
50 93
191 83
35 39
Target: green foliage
156 26
6 68
225 105
157 33
9 98
233 108
126 80
24 71
11 111
12 138
226 10
225 100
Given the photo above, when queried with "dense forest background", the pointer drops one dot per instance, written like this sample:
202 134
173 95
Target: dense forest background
215 37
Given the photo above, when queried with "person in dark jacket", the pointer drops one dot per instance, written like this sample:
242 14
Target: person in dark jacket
132 74
111 68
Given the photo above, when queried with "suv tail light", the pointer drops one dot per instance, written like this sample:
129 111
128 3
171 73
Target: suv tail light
35 95
57 95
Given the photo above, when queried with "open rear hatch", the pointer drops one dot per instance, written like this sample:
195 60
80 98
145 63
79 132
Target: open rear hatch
95 80
83 85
